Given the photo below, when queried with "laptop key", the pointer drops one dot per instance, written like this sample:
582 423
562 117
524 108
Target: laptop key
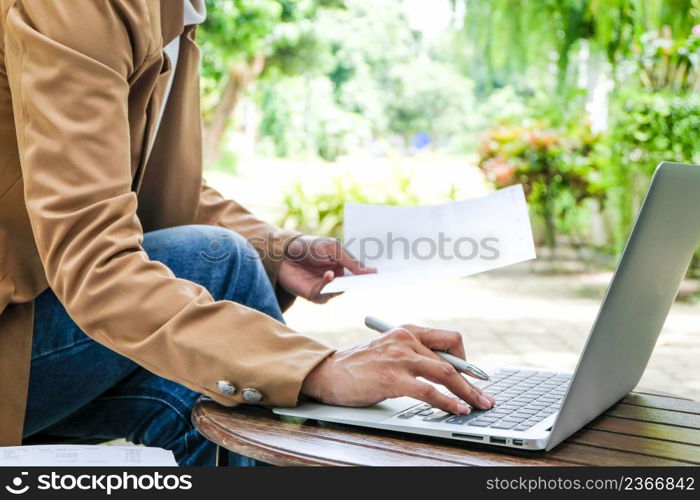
529 411
407 415
459 419
510 406
490 420
437 416
499 414
479 423
503 425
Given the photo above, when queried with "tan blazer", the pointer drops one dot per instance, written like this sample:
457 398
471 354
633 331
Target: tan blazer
81 85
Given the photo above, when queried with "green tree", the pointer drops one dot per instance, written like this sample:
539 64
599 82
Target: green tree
243 40
514 36
429 96
368 41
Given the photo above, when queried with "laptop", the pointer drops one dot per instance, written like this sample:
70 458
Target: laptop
538 409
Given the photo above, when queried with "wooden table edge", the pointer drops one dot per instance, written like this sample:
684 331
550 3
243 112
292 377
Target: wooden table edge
259 450
249 447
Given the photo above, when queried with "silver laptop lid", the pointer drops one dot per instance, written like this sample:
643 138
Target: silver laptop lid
638 300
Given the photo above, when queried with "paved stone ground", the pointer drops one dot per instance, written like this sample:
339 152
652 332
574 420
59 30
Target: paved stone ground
514 316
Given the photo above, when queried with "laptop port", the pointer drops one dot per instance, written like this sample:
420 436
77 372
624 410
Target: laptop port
497 440
468 436
517 442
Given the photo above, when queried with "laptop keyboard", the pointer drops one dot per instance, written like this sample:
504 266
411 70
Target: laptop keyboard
523 399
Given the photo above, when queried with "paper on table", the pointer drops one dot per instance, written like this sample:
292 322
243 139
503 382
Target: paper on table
85 456
412 244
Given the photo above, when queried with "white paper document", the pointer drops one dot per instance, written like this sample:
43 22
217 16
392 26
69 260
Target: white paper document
85 456
412 244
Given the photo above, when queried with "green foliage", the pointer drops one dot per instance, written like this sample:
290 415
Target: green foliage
346 75
519 37
321 213
555 170
647 129
668 65
431 97
238 31
375 82
301 116
235 31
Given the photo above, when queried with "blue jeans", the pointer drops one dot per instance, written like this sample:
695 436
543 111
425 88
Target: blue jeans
80 389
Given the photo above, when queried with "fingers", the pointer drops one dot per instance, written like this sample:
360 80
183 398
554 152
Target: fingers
334 251
315 292
354 265
444 373
324 253
423 362
424 351
439 340
429 394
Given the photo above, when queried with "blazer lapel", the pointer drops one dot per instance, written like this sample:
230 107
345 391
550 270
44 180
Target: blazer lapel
172 20
172 26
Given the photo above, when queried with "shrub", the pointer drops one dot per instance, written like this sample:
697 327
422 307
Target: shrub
554 168
321 213
669 65
646 129
300 117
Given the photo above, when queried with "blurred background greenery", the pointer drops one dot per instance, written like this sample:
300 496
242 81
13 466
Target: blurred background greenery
311 103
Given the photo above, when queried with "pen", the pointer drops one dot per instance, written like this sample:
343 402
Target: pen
461 365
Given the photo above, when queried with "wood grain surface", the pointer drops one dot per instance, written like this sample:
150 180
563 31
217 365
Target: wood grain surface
645 428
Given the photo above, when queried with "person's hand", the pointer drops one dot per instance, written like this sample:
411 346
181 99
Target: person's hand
388 367
310 263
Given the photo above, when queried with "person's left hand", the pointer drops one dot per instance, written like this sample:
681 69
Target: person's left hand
311 262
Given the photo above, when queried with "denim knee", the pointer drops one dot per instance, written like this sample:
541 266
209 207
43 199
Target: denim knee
238 267
217 258
218 244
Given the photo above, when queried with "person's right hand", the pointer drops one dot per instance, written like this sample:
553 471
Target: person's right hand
388 367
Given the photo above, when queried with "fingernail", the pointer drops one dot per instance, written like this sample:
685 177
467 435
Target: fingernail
463 409
485 402
490 398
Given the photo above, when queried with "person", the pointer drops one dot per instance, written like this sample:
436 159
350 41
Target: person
128 286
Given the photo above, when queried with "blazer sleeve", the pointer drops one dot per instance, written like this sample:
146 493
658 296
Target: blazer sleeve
270 241
69 65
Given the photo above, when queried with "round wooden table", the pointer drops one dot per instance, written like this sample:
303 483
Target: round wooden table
643 429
